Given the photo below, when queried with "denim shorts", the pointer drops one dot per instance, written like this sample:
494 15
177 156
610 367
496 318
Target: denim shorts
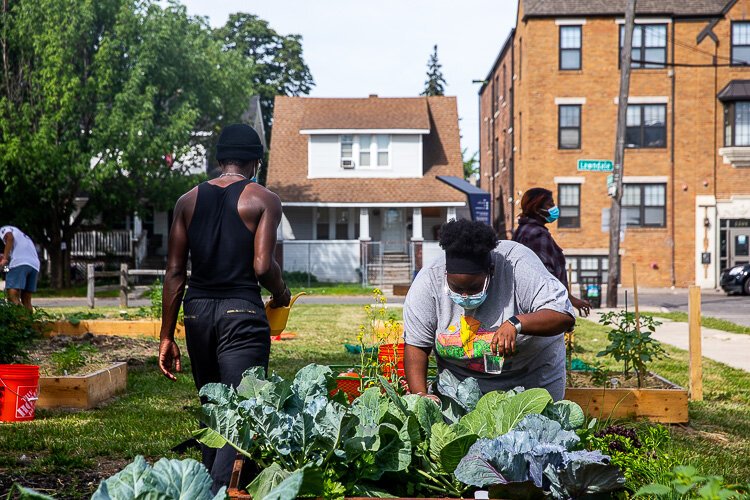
21 278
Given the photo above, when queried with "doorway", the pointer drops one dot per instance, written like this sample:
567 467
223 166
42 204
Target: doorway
739 246
393 233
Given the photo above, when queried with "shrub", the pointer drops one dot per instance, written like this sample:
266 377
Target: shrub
17 332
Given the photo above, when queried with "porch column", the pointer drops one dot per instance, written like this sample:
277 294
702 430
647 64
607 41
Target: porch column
350 228
331 223
314 214
364 224
416 224
451 214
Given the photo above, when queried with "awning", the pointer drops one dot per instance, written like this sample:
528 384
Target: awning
479 199
736 90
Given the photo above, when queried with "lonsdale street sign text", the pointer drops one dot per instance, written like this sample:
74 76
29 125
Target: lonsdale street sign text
595 165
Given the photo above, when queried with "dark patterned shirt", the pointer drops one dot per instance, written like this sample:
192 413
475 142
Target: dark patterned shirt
536 236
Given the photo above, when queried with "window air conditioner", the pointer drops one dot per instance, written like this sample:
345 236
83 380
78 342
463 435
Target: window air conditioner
347 163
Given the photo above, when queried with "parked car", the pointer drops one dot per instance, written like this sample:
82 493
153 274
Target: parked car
736 279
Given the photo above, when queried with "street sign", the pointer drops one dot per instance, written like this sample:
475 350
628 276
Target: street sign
595 165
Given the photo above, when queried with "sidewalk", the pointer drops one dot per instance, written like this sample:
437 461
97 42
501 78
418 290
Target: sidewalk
732 349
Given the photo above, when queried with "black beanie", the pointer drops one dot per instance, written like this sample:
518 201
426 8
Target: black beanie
239 142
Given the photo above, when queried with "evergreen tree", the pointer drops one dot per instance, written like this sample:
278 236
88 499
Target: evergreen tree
435 84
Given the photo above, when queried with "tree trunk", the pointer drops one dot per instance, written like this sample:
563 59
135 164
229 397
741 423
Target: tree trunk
56 276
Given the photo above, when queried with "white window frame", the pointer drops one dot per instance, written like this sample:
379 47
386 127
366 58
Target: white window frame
341 147
374 150
378 151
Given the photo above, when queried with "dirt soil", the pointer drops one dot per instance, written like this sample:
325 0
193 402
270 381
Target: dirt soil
77 485
583 379
105 349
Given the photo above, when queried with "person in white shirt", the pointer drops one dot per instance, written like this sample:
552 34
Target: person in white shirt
23 262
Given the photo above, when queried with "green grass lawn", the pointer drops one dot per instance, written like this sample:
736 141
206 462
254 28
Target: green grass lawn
706 321
330 288
156 414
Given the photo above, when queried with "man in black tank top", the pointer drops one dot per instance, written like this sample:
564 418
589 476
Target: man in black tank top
227 226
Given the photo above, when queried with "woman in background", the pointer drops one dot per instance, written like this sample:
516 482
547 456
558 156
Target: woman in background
537 210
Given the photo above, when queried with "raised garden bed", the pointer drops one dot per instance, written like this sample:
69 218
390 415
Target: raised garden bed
82 371
123 328
82 391
660 401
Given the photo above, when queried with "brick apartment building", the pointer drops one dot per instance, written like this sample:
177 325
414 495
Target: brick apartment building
550 100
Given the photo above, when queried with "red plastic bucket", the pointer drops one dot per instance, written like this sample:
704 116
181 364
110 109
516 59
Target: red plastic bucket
389 357
19 390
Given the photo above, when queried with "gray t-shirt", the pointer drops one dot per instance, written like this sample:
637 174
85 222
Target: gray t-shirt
520 284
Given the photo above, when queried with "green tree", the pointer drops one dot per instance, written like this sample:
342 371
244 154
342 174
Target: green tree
279 68
96 97
471 164
435 84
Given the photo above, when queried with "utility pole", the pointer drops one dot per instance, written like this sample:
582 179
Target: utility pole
622 109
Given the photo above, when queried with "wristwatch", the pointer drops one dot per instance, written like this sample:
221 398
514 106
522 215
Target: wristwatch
513 320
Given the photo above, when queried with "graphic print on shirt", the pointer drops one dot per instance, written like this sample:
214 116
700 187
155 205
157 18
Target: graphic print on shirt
465 344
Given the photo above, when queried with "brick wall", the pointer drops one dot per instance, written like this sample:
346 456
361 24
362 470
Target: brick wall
689 164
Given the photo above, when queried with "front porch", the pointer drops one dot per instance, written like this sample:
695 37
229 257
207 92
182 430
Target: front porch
374 245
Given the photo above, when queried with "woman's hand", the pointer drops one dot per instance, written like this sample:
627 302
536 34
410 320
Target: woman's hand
504 341
583 306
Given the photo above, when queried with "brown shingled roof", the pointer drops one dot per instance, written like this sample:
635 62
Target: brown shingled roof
370 113
287 170
542 8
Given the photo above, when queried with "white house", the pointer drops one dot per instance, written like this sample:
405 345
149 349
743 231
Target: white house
358 182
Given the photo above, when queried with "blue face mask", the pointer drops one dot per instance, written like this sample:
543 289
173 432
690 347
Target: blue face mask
469 301
552 214
253 179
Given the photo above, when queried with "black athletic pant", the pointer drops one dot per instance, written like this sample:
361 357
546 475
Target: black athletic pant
225 337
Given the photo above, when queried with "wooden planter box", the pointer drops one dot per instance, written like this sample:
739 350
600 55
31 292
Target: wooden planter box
241 475
668 406
123 328
82 391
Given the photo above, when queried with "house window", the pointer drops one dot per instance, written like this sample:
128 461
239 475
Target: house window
347 142
586 267
569 130
321 223
383 144
737 123
570 47
644 205
569 202
495 157
649 45
365 146
646 126
494 96
740 43
342 223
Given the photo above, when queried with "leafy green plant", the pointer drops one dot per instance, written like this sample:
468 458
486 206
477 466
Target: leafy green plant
155 296
17 332
684 482
78 316
70 359
166 479
640 453
630 343
308 442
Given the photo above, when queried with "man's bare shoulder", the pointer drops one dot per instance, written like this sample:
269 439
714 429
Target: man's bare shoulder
187 198
255 193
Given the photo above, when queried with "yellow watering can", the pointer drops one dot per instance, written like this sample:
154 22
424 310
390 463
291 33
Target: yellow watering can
278 316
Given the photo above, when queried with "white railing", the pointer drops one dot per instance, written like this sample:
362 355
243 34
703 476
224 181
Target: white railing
95 244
